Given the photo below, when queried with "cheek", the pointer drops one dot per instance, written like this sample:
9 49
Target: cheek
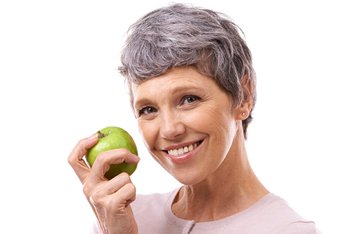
148 132
211 118
218 123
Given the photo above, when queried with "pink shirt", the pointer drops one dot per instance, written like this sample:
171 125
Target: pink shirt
270 215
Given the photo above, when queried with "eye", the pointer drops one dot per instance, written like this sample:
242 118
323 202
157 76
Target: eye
146 110
188 99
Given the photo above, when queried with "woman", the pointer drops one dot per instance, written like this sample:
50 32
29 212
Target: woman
192 87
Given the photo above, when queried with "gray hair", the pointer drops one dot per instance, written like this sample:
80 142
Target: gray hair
182 35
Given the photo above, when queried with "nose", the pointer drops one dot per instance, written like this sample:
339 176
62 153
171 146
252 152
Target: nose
172 126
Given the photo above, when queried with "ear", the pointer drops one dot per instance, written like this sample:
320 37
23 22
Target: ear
244 109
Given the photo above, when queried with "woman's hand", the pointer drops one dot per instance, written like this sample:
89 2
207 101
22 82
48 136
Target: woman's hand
109 199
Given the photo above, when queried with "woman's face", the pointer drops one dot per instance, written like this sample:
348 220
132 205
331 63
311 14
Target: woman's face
187 122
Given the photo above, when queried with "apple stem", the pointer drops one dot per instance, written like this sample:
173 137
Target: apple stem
100 135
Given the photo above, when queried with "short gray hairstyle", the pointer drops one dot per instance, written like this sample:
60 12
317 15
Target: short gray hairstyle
183 35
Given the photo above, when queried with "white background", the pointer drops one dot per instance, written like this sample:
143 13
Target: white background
58 83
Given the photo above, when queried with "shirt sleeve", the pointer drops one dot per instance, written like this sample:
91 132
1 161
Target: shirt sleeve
300 227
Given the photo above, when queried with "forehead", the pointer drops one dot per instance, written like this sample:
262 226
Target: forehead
174 80
185 74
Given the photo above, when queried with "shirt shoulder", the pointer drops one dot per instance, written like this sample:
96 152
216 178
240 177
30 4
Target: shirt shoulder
300 227
271 214
280 217
151 203
154 197
152 213
274 215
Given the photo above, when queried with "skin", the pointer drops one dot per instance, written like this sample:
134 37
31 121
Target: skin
178 108
181 107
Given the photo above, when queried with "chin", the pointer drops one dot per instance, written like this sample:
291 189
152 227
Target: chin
188 178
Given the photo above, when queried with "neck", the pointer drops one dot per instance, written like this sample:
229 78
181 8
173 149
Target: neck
232 188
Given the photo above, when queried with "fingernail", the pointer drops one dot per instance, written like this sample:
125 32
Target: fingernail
136 158
93 138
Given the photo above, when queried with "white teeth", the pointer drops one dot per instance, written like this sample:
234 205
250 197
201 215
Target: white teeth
180 151
183 150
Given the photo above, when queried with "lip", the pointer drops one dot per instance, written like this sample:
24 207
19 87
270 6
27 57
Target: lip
185 157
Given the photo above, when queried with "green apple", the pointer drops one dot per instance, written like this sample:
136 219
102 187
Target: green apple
113 138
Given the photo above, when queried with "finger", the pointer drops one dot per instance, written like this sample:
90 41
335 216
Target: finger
114 209
125 195
109 187
103 191
76 160
106 159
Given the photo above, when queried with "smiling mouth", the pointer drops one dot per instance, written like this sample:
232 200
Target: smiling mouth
183 150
